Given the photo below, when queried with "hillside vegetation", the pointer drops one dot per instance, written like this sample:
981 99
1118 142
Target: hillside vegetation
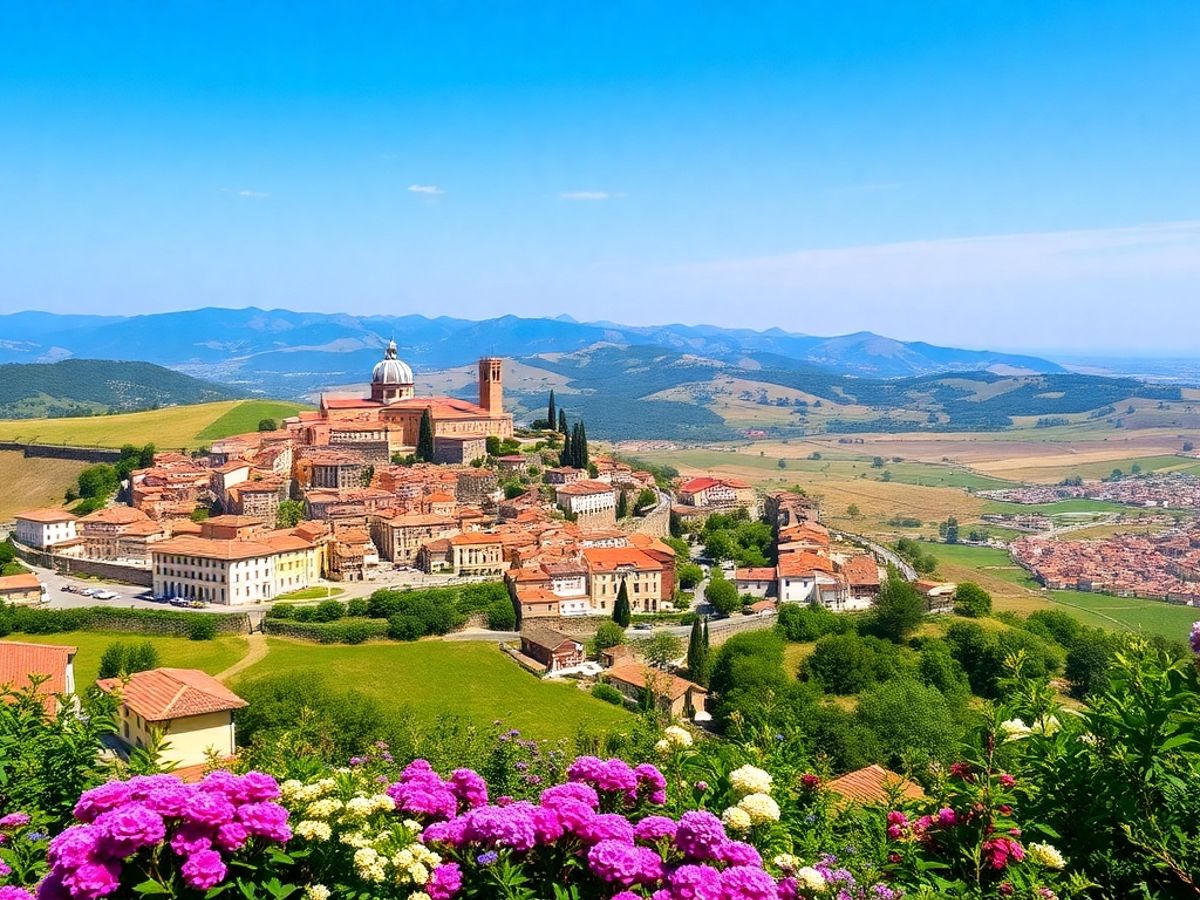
83 387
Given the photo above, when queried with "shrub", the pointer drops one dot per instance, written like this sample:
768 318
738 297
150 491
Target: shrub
354 631
608 694
357 608
808 623
329 611
971 600
609 634
282 611
899 611
202 628
913 723
848 663
501 616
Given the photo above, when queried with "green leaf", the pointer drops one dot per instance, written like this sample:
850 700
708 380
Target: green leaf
150 886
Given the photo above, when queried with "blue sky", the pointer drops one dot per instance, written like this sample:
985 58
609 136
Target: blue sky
1001 174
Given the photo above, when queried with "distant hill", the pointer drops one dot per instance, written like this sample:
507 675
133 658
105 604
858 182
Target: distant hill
81 387
289 353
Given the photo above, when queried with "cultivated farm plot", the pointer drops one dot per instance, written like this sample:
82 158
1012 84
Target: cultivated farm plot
429 677
27 483
1012 589
171 428
179 652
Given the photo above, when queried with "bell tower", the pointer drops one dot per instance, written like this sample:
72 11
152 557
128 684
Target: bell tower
491 384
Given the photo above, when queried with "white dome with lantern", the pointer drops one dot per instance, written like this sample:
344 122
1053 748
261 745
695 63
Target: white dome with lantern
391 379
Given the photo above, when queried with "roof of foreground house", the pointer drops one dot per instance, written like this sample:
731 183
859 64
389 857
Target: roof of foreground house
160 695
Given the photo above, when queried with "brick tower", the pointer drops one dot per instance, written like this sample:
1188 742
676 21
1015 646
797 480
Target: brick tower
491 384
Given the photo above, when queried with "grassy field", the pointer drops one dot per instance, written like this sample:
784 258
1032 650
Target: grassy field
1058 508
212 656
312 593
173 428
245 417
33 482
1013 589
467 677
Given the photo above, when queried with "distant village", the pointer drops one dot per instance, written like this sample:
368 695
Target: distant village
365 486
1175 490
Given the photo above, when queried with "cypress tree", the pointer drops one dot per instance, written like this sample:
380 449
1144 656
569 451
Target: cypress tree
621 614
581 449
551 410
706 635
425 438
622 504
697 655
562 421
564 456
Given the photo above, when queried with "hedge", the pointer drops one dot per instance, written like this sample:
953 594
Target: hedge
608 694
198 626
353 631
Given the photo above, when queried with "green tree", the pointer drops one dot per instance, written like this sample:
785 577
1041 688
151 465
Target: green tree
112 661
952 530
1087 666
972 601
608 634
689 574
661 649
289 514
141 657
900 609
621 614
566 456
551 410
98 481
721 594
697 654
853 511
849 663
267 425
425 437
562 421
622 504
914 723
748 679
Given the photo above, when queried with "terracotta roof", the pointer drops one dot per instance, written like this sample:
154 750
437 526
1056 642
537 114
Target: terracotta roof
413 520
803 563
546 637
213 548
759 573
26 581
663 683
475 537
584 487
861 570
160 695
872 785
697 484
19 660
609 559
46 516
116 515
232 521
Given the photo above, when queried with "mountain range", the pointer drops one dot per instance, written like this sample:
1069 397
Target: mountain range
296 352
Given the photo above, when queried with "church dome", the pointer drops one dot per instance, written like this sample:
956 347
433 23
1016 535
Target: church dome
390 370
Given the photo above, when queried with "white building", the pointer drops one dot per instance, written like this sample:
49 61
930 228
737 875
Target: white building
233 572
44 528
588 498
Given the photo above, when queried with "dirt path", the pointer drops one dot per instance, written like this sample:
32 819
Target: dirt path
256 651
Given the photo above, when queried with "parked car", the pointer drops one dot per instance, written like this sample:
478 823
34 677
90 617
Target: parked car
106 595
89 592
67 589
643 626
197 604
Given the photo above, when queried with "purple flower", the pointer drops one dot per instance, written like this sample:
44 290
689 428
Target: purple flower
203 870
615 862
495 826
191 838
450 833
655 828
737 853
258 786
579 793
223 782
1194 638
100 800
652 783
469 787
15 820
170 801
606 827
93 879
268 820
127 829
205 808
747 883
74 847
486 859
699 835
14 893
232 836
695 883
444 882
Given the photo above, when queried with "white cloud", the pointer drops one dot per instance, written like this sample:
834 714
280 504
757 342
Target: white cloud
428 189
248 194
1151 251
588 195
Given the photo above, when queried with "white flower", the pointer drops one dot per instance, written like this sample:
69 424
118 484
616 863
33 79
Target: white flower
785 862
357 807
750 780
418 895
288 791
1046 856
760 808
312 830
736 819
316 892
323 809
810 879
355 839
1014 729
384 803
1048 725
663 747
409 824
680 737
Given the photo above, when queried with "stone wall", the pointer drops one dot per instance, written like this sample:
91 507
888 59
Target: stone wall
71 565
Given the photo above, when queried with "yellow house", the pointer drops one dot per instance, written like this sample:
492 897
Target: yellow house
190 709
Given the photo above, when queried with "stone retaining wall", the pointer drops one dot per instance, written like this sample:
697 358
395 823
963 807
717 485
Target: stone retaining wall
63 451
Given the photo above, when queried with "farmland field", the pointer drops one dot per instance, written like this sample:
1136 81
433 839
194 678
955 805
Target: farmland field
1013 589
33 482
211 656
172 428
431 677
